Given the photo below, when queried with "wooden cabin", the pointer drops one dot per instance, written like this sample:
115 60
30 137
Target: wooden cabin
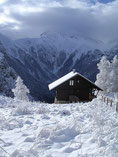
73 87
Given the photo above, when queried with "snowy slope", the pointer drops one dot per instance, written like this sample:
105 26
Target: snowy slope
52 130
6 41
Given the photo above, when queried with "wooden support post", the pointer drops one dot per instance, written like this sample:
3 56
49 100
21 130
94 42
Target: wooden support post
97 93
117 106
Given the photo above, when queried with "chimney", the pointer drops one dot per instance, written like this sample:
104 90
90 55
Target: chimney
73 70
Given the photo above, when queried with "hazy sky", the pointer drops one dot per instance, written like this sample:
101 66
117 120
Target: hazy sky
30 18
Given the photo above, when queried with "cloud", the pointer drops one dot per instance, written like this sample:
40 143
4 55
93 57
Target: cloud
29 18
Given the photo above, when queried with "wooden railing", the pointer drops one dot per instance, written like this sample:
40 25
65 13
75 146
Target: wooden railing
109 101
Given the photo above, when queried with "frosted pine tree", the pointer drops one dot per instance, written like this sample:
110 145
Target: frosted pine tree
7 75
104 67
107 78
21 91
113 78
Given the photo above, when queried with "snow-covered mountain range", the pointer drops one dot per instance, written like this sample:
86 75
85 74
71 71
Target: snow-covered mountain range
39 61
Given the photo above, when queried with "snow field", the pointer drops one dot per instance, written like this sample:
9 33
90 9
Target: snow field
30 129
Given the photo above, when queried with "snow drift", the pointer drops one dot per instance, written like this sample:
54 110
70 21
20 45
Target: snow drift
54 130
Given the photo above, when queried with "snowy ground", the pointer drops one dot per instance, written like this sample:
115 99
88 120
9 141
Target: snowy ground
57 130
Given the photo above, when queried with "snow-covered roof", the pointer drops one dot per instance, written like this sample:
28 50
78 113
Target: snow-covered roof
67 77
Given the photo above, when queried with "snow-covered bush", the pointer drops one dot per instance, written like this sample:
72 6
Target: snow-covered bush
21 91
42 110
107 78
21 110
9 124
3 123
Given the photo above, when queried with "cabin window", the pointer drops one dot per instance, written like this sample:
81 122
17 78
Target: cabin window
77 81
71 83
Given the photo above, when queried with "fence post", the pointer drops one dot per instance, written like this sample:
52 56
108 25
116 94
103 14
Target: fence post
117 106
107 101
104 99
111 103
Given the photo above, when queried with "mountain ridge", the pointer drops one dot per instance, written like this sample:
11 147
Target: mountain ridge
40 61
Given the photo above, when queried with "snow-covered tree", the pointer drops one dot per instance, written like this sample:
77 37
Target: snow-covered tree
104 67
7 75
21 91
114 75
107 78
